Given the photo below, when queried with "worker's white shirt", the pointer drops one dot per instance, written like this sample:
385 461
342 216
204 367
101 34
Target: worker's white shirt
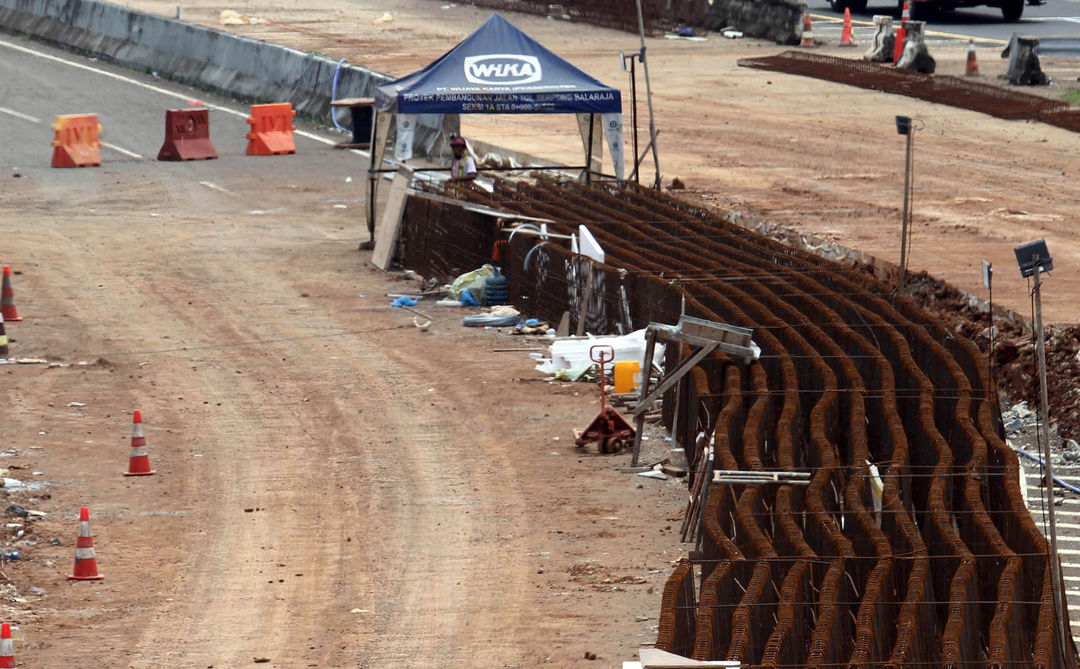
463 166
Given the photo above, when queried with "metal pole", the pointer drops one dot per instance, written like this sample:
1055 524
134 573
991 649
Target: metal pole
1060 606
646 373
633 110
990 358
648 94
906 216
372 180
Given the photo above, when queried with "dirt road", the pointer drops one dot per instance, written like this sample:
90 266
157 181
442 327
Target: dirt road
334 488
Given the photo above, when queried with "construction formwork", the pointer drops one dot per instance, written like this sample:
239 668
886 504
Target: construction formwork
943 567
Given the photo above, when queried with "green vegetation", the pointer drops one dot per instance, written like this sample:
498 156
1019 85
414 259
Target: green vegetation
1072 96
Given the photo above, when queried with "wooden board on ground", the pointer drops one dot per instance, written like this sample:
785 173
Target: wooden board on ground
386 233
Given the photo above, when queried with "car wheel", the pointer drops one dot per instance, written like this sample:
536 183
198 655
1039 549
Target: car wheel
838 5
1012 10
857 5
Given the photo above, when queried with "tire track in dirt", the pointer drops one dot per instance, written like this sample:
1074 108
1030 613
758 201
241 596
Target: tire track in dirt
288 425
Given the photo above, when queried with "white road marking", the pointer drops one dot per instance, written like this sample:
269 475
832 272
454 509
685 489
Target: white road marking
214 186
25 117
151 87
1048 19
122 150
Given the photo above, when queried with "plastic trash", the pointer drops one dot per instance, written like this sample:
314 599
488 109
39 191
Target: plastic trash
473 281
569 353
467 299
404 301
490 321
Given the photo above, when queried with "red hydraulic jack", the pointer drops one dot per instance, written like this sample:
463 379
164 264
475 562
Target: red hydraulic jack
609 427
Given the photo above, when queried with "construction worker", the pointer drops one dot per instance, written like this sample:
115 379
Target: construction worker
463 168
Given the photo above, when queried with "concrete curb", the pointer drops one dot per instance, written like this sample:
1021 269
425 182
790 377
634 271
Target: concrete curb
211 59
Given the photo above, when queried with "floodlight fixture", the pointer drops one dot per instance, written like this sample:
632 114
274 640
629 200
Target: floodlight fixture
903 125
1032 256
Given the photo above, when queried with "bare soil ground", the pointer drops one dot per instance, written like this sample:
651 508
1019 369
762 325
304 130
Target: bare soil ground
334 487
338 489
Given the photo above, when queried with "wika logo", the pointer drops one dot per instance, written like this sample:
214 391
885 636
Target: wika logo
502 69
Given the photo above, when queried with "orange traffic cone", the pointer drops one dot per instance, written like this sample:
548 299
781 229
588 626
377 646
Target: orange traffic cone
7 648
901 34
139 463
85 561
845 34
807 33
3 339
972 66
7 298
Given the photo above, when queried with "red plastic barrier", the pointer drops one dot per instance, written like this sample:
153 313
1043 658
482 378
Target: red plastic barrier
187 135
76 143
271 129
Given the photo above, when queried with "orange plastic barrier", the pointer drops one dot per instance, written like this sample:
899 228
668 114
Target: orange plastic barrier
76 143
187 135
271 129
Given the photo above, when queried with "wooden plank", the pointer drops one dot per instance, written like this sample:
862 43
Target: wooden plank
386 234
353 102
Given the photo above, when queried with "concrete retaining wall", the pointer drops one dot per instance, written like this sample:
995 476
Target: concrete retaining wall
212 59
778 20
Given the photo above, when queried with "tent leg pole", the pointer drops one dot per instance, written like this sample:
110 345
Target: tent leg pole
588 151
372 176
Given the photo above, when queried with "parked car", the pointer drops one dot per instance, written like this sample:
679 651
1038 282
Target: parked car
920 10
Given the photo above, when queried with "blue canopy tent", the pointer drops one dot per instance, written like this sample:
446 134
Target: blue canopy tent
497 70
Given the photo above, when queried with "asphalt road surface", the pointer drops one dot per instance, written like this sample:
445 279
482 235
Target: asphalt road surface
1057 18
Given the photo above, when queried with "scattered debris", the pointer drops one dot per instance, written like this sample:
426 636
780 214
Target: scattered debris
491 320
229 17
404 301
653 474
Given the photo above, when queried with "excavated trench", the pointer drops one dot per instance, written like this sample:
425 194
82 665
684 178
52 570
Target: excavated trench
941 567
941 89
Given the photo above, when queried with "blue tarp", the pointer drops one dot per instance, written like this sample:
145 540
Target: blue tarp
498 70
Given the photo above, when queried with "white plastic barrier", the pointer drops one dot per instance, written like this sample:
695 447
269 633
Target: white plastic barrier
571 353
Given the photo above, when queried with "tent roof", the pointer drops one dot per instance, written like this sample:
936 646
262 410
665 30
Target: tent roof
498 70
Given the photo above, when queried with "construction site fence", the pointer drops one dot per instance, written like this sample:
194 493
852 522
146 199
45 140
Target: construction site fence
928 559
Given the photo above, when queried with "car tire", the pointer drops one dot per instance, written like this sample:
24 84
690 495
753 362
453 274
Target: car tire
1012 10
857 5
839 5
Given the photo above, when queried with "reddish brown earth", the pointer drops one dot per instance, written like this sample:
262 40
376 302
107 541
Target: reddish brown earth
338 489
